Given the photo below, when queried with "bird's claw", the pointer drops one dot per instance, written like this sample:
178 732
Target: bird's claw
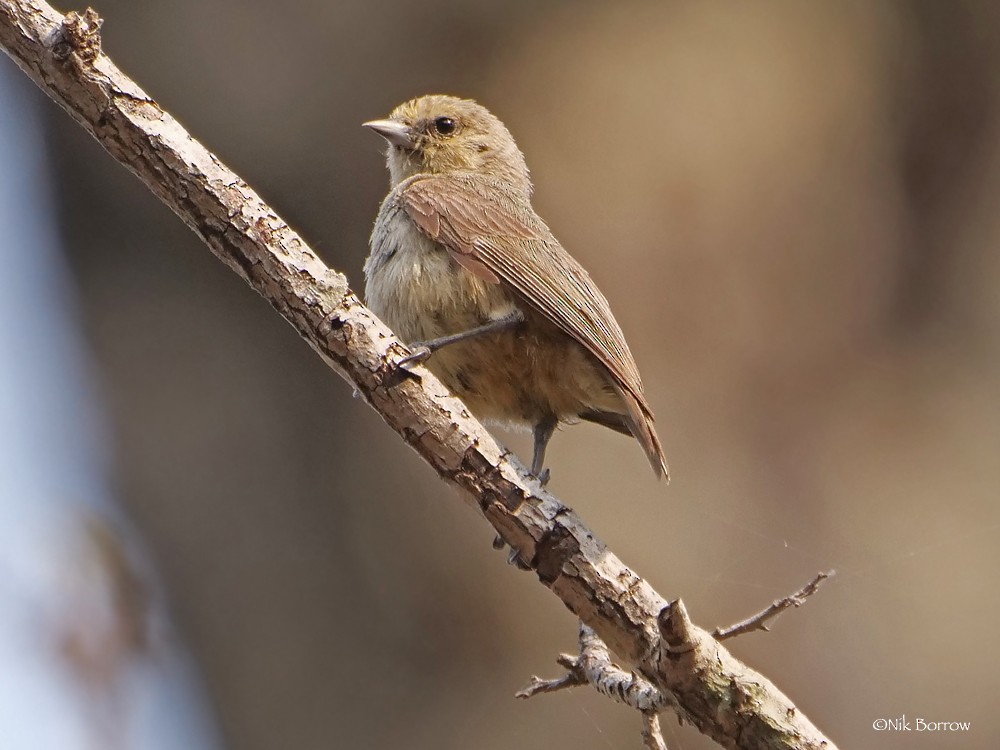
513 558
417 356
544 476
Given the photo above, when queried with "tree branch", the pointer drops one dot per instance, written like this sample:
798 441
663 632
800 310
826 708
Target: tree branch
594 667
726 700
759 621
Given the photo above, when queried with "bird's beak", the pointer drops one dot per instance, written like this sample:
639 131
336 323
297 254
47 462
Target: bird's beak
396 132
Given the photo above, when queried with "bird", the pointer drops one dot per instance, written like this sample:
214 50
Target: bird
472 279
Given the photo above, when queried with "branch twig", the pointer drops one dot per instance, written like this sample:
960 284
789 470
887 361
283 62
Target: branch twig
724 698
594 667
574 677
759 621
652 736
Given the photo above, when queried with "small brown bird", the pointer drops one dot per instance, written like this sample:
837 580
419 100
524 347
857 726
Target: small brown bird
461 266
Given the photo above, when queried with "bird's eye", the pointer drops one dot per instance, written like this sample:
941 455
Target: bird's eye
444 125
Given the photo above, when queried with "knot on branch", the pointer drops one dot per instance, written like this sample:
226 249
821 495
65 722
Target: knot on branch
675 628
79 34
554 549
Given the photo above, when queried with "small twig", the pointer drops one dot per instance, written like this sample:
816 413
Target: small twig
594 667
573 677
759 621
613 681
652 737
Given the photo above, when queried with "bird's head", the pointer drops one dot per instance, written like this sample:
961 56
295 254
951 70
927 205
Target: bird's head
440 134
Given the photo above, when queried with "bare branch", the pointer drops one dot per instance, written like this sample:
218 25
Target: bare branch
594 667
759 621
613 681
652 737
725 699
574 676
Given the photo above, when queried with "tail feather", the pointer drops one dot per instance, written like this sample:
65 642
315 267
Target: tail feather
610 419
638 423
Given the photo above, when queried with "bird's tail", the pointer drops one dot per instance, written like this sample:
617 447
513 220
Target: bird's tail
637 422
640 424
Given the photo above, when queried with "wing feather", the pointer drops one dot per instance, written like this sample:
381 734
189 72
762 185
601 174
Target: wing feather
487 226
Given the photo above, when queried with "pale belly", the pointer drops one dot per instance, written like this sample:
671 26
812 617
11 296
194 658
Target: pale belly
516 377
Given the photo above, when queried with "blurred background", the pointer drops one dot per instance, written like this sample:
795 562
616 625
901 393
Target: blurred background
793 210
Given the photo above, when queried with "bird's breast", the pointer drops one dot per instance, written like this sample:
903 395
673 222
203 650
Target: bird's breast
517 376
415 286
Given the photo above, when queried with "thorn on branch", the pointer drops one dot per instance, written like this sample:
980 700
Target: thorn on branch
759 621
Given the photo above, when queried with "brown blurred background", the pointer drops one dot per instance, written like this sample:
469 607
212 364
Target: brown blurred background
793 210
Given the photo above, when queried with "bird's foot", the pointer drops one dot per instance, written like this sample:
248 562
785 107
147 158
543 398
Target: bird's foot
544 477
515 559
512 557
419 353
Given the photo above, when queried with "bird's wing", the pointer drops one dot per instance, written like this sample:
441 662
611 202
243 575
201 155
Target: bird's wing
495 235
